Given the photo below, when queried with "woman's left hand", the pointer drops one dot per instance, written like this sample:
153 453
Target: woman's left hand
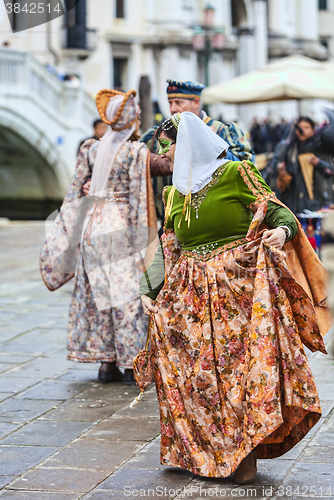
275 237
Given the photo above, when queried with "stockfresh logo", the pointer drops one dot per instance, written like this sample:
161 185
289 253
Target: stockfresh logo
23 14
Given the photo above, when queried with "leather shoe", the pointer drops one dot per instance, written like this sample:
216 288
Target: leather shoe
246 471
109 372
128 376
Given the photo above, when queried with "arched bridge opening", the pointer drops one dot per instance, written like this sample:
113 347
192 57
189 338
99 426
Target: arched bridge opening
29 188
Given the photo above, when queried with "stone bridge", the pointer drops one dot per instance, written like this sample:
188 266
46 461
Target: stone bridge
42 120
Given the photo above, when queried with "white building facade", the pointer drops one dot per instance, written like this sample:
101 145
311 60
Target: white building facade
112 43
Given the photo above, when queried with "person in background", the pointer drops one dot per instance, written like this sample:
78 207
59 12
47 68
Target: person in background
289 177
186 96
256 137
106 324
100 128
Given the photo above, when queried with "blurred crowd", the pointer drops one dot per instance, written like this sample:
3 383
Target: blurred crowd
287 145
265 135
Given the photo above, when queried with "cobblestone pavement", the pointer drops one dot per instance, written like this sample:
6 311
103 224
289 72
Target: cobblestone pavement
64 436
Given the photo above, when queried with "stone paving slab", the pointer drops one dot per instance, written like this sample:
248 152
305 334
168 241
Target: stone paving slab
325 436
13 358
327 407
83 410
16 459
101 495
23 410
6 395
93 454
39 433
37 341
169 478
200 487
133 429
146 408
4 480
6 429
54 389
5 366
111 392
47 367
318 454
325 390
60 480
37 495
17 385
306 475
147 458
76 375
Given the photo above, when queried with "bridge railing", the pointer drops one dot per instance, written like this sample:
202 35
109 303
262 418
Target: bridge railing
20 71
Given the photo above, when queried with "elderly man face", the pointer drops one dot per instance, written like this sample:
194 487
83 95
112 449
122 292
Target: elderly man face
178 105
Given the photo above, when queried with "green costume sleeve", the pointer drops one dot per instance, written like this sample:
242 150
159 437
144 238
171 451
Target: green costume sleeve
279 216
252 189
153 280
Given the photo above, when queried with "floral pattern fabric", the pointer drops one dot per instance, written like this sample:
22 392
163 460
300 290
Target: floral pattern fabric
56 254
230 369
93 239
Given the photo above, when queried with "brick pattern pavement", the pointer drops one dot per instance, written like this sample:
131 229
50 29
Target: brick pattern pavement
64 436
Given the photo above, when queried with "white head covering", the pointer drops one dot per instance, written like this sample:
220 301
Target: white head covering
110 144
196 152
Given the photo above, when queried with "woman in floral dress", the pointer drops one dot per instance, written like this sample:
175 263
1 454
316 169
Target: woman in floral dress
101 240
228 320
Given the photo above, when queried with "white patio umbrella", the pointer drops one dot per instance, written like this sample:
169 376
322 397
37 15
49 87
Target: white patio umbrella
293 77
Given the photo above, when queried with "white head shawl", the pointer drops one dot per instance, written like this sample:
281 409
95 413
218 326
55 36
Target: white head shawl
196 152
109 146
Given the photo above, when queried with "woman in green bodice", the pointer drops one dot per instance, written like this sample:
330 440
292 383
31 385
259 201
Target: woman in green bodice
226 313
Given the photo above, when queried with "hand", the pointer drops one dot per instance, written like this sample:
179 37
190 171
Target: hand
148 305
275 237
313 160
281 167
86 187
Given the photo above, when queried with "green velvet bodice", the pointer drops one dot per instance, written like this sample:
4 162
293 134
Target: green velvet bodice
220 214
224 212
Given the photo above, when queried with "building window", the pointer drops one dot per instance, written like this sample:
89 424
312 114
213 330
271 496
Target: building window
239 13
120 9
322 4
120 68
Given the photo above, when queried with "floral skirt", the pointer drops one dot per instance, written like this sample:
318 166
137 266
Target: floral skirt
106 317
230 369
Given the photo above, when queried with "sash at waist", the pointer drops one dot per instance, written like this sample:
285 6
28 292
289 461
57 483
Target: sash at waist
209 250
